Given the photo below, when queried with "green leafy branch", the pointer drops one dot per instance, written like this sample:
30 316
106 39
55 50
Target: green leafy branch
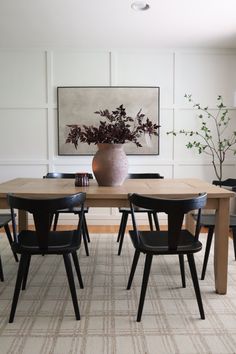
211 141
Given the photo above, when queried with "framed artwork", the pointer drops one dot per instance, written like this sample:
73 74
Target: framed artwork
76 105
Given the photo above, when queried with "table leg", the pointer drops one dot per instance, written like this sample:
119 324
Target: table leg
22 220
189 223
221 245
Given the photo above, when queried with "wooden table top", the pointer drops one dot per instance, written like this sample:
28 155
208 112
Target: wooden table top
96 196
174 188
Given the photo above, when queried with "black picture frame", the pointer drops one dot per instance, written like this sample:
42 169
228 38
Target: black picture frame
77 104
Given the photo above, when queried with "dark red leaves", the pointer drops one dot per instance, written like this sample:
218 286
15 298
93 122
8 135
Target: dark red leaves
119 129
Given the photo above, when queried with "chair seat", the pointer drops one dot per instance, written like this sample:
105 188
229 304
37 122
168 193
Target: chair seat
73 210
58 242
229 182
209 220
137 210
4 219
149 242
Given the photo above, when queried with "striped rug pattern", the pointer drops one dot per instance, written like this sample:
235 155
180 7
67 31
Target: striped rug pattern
45 322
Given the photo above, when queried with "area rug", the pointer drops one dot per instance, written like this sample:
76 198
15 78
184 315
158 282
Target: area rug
45 322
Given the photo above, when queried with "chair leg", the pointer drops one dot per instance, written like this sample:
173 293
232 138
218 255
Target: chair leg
182 271
234 240
71 282
86 229
85 240
77 268
24 281
147 267
196 284
133 268
85 235
207 251
120 228
122 231
84 226
56 216
1 271
20 274
156 222
9 236
150 220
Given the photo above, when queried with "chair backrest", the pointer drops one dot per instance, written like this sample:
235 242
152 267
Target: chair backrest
229 182
64 175
144 175
43 210
175 210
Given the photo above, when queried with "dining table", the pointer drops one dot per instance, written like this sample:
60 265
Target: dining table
218 199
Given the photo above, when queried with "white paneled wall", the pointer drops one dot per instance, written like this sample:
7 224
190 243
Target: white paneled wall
23 78
205 75
28 107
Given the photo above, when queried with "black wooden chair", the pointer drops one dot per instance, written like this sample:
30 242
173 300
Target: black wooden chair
125 212
4 222
174 241
5 219
208 221
76 210
43 241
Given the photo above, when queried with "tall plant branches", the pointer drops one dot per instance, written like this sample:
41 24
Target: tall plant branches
212 141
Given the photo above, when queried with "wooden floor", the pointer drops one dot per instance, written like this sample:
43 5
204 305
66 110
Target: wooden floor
113 229
110 228
98 228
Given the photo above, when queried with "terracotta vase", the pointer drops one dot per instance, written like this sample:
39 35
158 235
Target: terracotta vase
110 165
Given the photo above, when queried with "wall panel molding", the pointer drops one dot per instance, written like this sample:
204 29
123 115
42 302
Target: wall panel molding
28 94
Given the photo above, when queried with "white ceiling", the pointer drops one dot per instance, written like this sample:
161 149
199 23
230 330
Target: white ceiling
113 24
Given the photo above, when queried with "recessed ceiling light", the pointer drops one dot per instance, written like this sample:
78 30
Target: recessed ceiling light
140 6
